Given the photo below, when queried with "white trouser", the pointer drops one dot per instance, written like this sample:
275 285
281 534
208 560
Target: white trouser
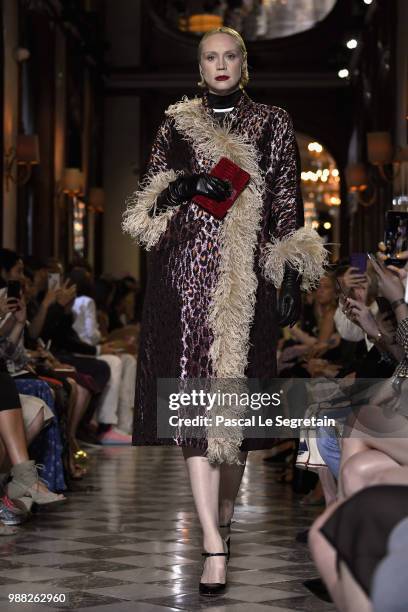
116 403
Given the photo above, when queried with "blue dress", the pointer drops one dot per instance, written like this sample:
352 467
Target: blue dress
46 449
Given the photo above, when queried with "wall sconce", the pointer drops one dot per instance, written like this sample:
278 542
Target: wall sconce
25 155
72 182
96 200
381 154
358 183
199 22
360 180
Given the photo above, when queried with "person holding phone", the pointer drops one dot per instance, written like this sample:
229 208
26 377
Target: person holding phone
14 359
374 452
211 308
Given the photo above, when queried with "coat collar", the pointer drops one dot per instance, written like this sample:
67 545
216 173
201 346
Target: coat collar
243 102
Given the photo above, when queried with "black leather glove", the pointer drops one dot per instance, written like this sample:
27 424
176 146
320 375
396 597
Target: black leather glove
290 302
186 187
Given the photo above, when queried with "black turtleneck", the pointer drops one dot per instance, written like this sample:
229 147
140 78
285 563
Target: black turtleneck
217 101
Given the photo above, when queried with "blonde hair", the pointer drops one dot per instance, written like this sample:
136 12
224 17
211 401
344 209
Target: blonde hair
240 42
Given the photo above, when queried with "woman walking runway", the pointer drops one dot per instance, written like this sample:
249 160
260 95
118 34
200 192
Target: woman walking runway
211 308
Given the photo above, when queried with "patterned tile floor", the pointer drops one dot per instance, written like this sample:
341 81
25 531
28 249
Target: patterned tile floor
128 541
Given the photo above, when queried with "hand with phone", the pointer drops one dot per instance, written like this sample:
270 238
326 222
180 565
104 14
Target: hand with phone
6 304
54 281
389 284
353 278
400 270
50 298
361 315
396 237
18 309
15 303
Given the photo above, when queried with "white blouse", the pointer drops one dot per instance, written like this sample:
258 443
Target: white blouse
86 322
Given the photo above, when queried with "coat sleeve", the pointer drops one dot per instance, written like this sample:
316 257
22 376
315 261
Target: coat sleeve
291 242
138 221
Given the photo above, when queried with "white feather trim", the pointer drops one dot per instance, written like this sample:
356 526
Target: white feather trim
232 306
137 222
303 249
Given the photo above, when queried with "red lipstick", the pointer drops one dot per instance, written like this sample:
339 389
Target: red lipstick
222 78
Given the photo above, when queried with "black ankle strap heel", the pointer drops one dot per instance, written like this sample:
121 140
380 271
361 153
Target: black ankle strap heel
213 588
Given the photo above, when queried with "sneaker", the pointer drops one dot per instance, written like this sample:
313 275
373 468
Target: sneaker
10 513
115 437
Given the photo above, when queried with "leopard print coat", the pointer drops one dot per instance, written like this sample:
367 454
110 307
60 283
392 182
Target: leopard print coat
210 304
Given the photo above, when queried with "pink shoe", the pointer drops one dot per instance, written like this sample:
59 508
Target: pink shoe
115 437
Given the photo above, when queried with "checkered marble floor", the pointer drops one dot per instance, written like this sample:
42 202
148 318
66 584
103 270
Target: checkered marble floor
128 540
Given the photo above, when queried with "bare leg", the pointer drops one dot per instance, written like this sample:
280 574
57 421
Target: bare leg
80 403
329 485
360 470
394 476
13 435
31 433
205 486
324 556
230 481
354 597
14 438
349 447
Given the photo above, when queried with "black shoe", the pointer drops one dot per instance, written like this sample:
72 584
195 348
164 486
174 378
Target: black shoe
318 588
302 536
279 458
213 588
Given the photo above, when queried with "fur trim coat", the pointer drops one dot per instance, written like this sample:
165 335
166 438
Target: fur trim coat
210 305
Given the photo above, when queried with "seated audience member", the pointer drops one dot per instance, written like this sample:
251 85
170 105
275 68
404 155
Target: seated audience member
315 337
301 356
18 429
69 348
379 361
354 545
65 343
105 290
49 449
120 397
69 393
374 451
122 310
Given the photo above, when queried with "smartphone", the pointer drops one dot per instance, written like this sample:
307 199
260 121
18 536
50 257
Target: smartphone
395 236
54 281
13 289
359 261
341 290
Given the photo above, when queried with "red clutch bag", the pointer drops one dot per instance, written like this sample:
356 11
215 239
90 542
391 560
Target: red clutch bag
228 171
